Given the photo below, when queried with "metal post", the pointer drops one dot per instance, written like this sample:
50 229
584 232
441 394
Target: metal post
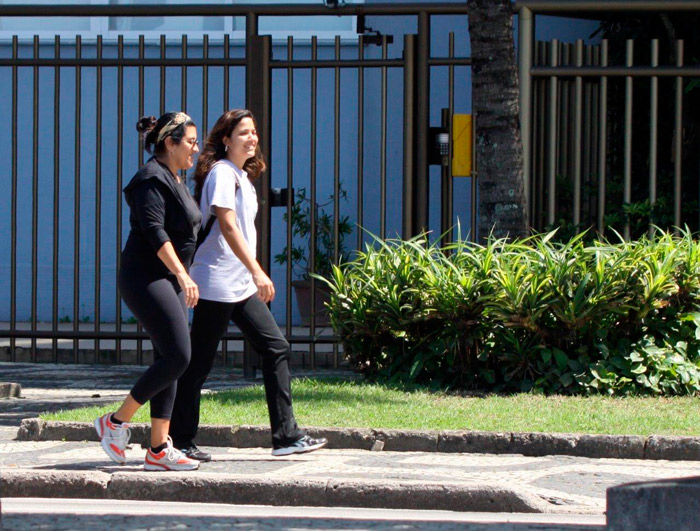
258 102
409 42
578 126
422 174
678 139
653 122
526 29
552 137
627 178
602 138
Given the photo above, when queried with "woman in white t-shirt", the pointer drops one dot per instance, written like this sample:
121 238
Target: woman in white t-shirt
233 287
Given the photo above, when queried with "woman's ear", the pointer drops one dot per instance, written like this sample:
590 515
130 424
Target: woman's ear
169 145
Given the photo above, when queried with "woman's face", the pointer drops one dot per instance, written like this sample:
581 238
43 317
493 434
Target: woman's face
242 142
182 154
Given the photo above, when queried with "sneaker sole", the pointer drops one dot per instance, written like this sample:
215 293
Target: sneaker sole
157 467
297 449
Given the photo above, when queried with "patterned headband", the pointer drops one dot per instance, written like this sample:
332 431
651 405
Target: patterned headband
179 119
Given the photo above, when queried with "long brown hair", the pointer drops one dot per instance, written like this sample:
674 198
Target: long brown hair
215 150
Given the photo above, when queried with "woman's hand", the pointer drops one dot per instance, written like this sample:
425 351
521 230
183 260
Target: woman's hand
266 289
189 288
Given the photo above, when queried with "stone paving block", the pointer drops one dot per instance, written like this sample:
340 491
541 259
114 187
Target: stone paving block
10 390
66 483
252 437
538 444
670 505
672 448
214 435
450 497
407 440
610 446
478 442
30 429
350 438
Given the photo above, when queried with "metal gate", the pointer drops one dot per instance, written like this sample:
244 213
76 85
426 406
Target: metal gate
388 149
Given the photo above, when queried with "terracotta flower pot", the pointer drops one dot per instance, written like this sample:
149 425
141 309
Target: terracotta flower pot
302 289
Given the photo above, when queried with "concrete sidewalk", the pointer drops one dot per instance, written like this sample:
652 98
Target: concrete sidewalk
337 476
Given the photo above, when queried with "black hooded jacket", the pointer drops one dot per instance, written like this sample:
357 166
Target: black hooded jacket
161 210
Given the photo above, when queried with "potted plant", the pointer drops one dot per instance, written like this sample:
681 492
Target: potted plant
324 256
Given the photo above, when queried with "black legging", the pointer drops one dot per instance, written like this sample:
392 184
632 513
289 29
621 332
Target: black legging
159 305
258 325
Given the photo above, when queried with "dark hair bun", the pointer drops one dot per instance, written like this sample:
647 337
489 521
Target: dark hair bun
146 124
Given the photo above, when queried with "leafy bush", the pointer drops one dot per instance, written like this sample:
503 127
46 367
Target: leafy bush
565 317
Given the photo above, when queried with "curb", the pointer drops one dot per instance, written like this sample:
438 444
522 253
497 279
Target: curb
672 448
10 390
217 488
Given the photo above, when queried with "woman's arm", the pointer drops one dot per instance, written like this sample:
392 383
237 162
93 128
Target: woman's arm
236 241
169 257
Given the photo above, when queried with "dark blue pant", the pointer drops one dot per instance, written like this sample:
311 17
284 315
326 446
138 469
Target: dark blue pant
255 321
159 305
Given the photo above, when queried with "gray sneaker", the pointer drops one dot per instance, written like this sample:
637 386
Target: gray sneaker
303 445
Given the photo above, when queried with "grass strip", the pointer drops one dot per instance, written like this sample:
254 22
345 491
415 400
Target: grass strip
342 403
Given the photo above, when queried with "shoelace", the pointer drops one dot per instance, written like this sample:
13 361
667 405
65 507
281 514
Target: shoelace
122 431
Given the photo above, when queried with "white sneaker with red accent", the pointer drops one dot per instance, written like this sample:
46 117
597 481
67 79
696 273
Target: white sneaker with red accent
170 458
113 437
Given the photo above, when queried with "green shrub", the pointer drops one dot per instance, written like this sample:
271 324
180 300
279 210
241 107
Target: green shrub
564 317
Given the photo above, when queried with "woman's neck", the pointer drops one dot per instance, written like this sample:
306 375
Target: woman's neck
173 169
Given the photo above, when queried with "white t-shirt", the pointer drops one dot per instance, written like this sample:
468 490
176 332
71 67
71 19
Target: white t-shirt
216 270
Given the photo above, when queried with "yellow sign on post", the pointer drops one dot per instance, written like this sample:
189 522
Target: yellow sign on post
462 145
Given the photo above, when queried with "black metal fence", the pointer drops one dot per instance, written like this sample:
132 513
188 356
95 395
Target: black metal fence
604 128
348 120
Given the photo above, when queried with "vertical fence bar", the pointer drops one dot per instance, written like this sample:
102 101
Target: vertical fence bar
564 128
678 139
578 130
653 123
227 56
409 80
336 175
142 82
76 220
587 128
56 195
290 183
183 79
119 176
449 215
205 89
98 193
382 153
595 125
627 199
526 32
13 214
35 196
602 138
539 164
163 52
312 206
552 135
360 140
227 74
473 228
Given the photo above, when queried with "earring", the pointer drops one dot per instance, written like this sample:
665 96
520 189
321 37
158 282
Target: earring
226 148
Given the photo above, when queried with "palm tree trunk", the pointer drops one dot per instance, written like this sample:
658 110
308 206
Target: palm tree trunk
502 209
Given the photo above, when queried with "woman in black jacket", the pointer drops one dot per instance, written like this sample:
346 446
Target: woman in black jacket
155 284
